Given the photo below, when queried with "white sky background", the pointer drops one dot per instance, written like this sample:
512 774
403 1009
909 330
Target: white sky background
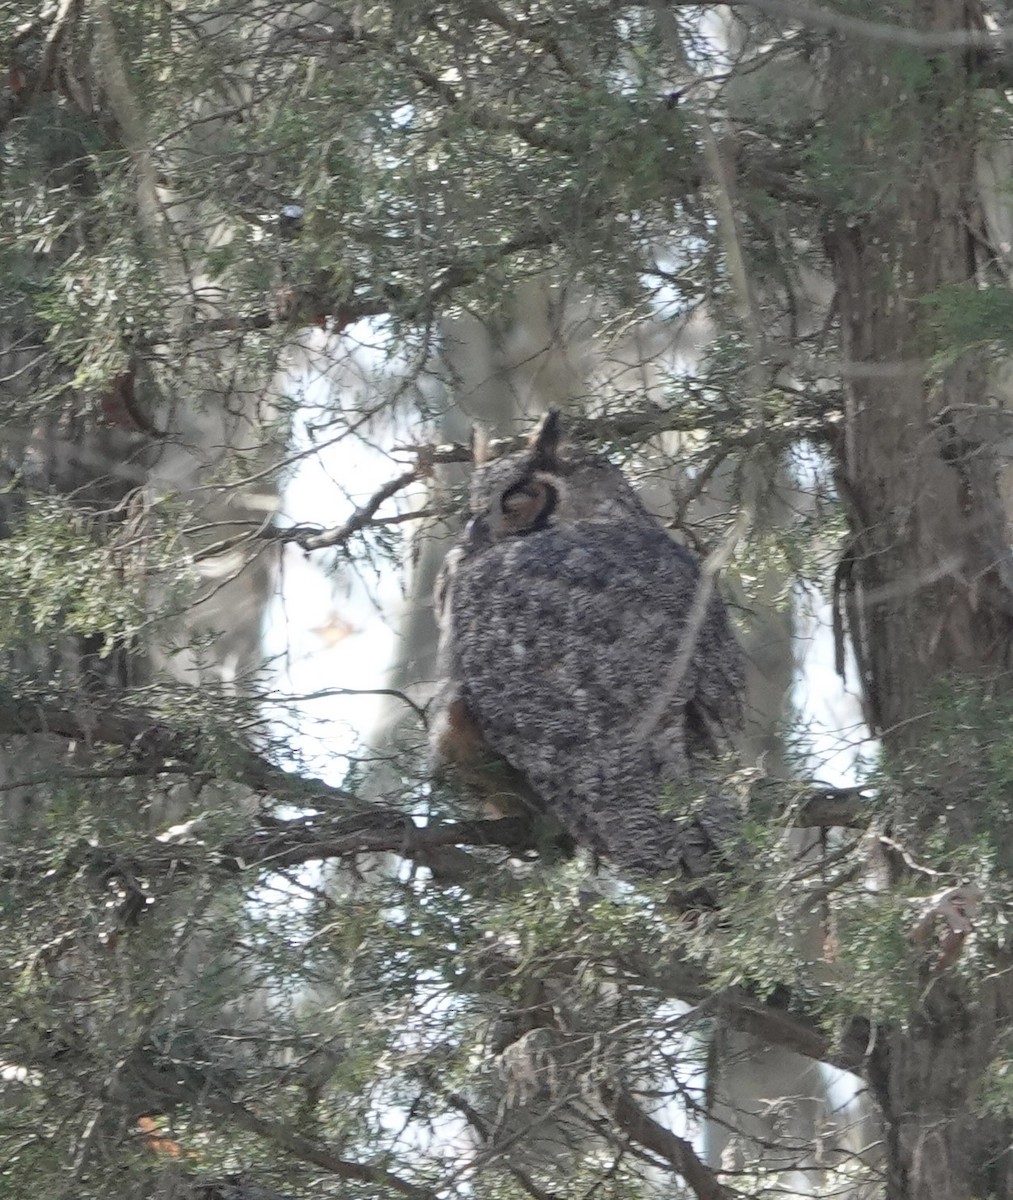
328 629
830 708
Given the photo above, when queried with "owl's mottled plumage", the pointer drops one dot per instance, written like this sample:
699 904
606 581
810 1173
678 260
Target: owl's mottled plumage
562 610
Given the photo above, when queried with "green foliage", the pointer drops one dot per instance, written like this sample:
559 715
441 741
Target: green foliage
962 317
178 943
967 737
997 1087
63 575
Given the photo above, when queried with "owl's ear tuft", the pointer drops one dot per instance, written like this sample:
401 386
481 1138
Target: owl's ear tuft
546 439
479 445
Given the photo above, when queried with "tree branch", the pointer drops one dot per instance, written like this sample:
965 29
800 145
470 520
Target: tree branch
769 1020
633 426
314 537
816 17
481 1127
386 298
307 1150
362 828
153 742
281 844
365 828
676 1151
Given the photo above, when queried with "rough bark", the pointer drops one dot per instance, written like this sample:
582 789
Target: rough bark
928 566
931 545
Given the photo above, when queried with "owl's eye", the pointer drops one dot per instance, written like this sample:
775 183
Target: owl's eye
527 506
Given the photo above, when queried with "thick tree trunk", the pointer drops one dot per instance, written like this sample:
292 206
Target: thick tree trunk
927 1080
930 541
928 567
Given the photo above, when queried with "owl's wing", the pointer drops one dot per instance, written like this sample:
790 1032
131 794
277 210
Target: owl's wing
559 643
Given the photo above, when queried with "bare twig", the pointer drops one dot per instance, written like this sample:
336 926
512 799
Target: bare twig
315 537
632 425
339 534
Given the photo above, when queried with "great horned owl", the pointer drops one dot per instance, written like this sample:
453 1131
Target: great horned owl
562 611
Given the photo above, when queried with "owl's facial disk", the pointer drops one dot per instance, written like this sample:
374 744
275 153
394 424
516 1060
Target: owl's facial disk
522 508
527 506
